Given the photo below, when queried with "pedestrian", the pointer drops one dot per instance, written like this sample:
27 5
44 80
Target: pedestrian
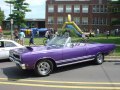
47 34
107 34
84 38
16 37
38 33
90 35
1 33
1 29
21 37
98 32
117 32
31 41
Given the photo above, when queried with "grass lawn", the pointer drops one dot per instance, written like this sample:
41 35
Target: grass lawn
114 40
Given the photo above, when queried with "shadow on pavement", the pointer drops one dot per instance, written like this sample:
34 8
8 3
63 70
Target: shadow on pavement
117 63
14 73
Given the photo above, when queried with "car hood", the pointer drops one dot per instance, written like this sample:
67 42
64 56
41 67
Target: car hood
30 49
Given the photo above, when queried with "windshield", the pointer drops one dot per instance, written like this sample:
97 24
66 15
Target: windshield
58 41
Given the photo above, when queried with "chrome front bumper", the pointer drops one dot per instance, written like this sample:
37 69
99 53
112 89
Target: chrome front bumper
18 63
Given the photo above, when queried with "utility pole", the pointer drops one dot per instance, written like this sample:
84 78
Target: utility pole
11 20
11 24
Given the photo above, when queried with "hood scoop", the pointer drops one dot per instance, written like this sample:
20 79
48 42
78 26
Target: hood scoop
29 48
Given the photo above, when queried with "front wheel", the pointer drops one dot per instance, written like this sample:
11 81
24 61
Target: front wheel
44 68
99 59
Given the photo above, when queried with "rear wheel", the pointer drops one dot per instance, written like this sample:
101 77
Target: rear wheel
44 67
99 58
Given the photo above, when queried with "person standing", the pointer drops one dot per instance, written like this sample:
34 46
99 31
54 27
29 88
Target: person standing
16 35
21 37
31 41
98 32
1 33
107 34
117 32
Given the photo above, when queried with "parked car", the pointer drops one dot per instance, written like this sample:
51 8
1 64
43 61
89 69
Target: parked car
58 52
5 46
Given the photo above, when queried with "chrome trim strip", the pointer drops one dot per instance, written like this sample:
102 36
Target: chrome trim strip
67 60
75 62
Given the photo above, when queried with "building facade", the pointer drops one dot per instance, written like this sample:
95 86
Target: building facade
87 14
30 23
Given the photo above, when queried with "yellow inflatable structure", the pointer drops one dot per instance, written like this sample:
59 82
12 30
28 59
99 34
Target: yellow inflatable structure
73 25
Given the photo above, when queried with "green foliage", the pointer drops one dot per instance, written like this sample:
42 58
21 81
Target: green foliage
114 8
115 22
19 11
1 16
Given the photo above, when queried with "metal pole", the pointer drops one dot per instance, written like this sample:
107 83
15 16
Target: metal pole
11 28
11 24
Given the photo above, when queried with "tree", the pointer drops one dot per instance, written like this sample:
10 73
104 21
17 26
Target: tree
1 16
19 11
114 8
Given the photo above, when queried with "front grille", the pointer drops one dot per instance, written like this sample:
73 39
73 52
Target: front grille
16 56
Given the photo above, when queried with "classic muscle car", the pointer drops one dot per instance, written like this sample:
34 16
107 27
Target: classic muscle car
59 51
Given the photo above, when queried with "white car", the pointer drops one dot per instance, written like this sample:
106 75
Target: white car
5 46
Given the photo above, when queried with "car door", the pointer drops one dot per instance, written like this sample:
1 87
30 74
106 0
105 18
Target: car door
74 54
7 47
2 50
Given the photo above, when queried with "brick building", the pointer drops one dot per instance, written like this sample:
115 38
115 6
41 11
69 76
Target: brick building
87 14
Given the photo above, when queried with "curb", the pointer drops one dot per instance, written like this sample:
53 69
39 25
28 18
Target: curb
112 58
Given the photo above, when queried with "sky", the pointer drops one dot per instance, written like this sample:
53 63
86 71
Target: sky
37 9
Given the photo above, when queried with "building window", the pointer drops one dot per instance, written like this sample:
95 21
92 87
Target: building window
60 20
50 8
99 21
85 20
68 8
94 8
84 8
76 20
60 8
50 20
105 9
99 9
76 9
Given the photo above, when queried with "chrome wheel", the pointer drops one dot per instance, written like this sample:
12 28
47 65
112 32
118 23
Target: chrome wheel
44 68
99 58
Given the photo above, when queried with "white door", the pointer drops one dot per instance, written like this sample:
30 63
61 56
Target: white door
6 46
2 50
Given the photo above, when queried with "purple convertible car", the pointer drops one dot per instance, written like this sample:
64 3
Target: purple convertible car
58 52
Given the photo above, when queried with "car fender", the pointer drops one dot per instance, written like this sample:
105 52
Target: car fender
46 58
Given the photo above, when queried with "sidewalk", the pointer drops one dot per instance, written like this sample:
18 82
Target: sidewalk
112 58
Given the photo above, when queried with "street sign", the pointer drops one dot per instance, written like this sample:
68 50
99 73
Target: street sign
11 21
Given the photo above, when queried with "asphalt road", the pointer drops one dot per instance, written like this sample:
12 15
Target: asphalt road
83 76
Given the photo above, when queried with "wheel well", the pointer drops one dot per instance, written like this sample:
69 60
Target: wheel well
101 53
54 64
